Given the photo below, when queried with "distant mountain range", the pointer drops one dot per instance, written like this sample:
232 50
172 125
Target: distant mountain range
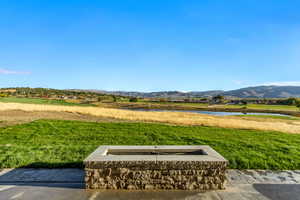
249 92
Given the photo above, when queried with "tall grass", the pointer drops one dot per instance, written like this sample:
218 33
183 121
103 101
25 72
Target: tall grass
60 143
179 118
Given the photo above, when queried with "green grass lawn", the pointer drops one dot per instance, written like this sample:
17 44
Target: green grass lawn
249 106
51 143
270 117
40 101
266 107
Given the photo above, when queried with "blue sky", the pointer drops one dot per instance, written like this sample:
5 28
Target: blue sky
149 45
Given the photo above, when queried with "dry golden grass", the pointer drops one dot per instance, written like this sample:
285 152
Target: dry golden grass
14 117
179 118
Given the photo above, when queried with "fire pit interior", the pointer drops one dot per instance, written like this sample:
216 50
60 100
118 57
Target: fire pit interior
125 152
155 167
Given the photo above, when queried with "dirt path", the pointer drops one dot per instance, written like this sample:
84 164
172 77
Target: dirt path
13 117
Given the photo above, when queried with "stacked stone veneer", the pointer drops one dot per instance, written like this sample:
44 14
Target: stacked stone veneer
155 174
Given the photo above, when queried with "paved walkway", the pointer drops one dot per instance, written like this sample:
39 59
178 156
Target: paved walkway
65 184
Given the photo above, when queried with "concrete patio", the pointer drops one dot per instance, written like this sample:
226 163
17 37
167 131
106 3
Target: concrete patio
52 184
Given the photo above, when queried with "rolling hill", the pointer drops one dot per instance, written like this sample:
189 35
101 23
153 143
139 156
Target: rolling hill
249 92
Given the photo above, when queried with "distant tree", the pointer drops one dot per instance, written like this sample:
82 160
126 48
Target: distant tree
291 101
133 99
114 98
298 104
218 99
245 103
99 98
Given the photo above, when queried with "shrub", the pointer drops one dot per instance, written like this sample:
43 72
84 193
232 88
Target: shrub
133 99
298 104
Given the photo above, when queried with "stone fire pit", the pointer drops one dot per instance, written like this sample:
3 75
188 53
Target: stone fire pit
155 167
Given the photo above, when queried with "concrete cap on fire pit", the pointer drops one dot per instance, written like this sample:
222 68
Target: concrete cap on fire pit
154 154
155 167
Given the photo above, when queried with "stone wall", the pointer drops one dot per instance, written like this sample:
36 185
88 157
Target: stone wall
158 175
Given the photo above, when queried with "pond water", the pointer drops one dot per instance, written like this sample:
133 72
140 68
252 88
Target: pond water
210 112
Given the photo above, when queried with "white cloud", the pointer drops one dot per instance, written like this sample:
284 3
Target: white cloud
284 83
7 72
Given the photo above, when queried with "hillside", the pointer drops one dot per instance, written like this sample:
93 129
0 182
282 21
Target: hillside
249 92
265 92
74 96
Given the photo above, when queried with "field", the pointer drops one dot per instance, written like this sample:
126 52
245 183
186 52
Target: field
40 101
60 143
268 117
192 106
266 107
14 117
178 118
159 105
34 133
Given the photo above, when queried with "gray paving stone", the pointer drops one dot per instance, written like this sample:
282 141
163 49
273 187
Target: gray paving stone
210 195
65 184
236 177
41 175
